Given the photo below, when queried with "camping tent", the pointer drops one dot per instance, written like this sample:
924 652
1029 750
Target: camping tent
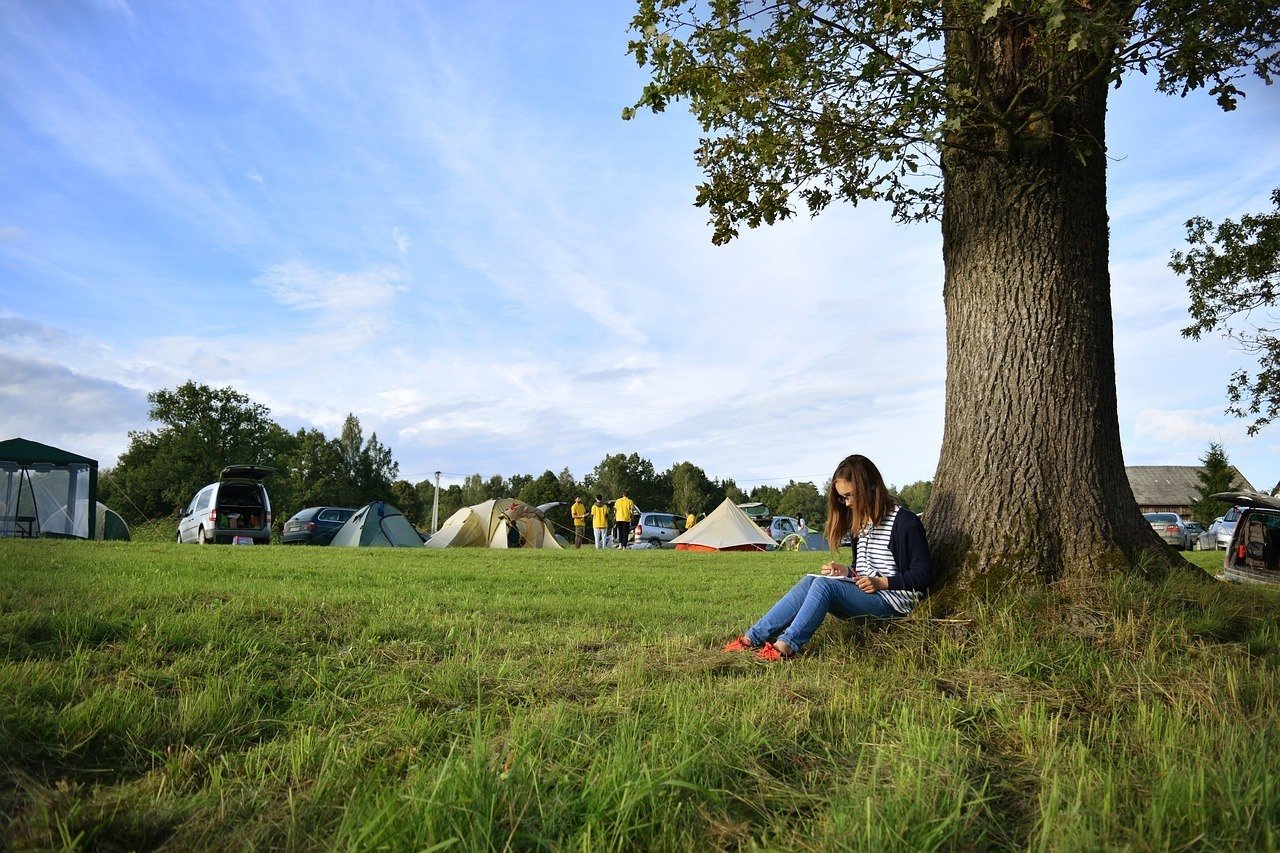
45 491
107 521
110 524
377 525
726 528
491 525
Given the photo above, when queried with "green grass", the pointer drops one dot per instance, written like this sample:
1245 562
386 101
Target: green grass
257 698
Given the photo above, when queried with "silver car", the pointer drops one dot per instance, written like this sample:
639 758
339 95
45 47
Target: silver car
1253 554
234 510
1227 527
658 529
1171 528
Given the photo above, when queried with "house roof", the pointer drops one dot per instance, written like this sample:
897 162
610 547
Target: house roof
1170 485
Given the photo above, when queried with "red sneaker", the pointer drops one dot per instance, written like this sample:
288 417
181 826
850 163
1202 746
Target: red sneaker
738 644
770 652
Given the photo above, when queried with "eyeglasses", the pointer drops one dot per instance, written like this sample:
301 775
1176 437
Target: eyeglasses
846 499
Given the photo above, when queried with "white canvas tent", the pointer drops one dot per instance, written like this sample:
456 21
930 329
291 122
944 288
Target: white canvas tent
489 525
726 528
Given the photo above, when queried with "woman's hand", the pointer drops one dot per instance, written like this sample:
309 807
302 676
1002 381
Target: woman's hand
835 570
868 584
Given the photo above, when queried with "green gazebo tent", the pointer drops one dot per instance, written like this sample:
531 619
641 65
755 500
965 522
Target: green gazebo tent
46 491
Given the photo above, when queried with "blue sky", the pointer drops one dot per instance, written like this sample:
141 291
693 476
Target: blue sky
431 215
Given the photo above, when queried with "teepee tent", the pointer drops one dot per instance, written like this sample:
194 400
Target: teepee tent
377 525
46 491
495 524
726 528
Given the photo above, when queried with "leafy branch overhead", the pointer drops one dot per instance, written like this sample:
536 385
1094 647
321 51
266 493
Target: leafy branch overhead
858 99
1233 276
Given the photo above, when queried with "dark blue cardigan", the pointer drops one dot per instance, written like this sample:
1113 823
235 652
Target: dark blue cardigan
910 553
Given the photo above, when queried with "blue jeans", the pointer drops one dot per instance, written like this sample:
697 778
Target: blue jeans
799 613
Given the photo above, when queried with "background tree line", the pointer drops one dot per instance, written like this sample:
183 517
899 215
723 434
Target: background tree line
201 430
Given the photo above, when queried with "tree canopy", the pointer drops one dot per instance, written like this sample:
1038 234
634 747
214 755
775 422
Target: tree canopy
1216 475
856 100
1233 275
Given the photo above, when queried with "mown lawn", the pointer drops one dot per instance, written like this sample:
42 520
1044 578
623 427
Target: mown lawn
158 696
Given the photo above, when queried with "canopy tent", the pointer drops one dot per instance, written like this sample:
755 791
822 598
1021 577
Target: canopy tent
499 523
46 491
377 525
726 528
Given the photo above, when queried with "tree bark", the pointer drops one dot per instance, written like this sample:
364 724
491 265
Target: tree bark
1031 481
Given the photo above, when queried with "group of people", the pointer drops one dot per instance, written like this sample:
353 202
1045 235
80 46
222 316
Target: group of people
624 512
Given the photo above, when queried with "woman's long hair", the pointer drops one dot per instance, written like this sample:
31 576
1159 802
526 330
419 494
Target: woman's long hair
871 499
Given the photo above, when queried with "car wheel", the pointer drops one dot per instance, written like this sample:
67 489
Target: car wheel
179 537
655 543
201 538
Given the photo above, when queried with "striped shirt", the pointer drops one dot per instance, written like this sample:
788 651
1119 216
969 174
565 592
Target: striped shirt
875 559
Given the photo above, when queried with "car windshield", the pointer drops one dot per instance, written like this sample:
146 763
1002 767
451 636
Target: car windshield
1162 517
1232 516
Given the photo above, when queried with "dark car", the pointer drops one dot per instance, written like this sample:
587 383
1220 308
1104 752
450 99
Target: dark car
315 525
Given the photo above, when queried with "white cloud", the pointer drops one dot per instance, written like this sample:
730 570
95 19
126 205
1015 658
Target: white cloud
339 295
1196 426
401 239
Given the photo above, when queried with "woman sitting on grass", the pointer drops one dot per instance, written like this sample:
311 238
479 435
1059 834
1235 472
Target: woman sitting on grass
891 567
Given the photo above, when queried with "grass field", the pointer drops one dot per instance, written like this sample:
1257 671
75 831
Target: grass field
158 696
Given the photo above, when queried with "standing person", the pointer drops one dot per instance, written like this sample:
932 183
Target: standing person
690 520
579 513
890 572
600 520
623 508
803 528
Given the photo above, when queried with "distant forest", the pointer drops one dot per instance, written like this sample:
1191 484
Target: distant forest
201 430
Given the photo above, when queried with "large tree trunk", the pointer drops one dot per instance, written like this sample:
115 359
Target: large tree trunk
1031 481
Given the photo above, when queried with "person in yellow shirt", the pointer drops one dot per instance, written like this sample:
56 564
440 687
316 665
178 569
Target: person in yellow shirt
690 520
579 513
600 520
623 509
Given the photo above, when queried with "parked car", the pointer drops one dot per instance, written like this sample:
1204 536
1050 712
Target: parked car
658 528
1209 536
1171 528
781 525
1253 553
1227 527
314 525
1194 529
235 509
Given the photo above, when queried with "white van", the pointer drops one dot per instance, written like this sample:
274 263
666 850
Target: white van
233 510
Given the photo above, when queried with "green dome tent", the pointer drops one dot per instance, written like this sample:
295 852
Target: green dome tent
110 524
377 525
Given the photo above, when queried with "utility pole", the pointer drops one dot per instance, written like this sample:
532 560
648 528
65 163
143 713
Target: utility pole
435 507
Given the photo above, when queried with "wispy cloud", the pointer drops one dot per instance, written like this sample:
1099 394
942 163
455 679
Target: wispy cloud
402 240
